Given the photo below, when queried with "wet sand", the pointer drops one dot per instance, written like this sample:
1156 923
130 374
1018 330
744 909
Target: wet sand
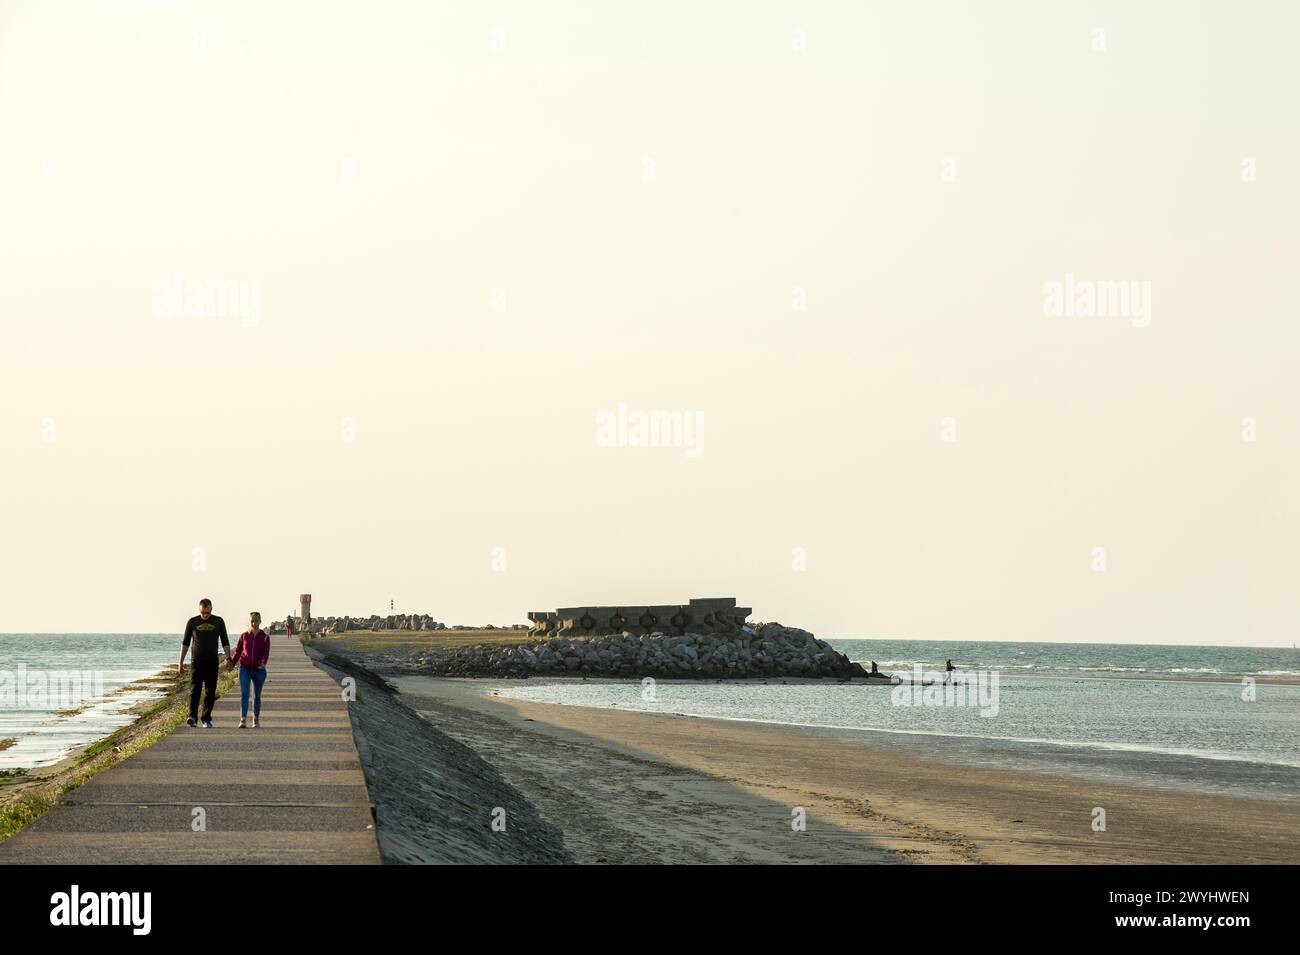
628 787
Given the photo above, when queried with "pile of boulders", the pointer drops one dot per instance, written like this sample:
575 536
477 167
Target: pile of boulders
766 649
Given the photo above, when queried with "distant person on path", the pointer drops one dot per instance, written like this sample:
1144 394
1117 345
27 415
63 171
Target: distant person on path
288 627
251 653
204 630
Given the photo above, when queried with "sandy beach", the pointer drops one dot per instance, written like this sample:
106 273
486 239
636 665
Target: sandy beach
633 787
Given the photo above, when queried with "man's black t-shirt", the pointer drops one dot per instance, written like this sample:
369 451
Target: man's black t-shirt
205 634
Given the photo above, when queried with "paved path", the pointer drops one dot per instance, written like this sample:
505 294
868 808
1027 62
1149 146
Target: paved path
290 792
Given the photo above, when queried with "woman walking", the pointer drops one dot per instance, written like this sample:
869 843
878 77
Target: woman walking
251 653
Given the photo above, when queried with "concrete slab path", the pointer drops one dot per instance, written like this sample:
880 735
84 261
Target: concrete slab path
289 792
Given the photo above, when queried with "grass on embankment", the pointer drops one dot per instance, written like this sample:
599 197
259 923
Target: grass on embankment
35 794
421 639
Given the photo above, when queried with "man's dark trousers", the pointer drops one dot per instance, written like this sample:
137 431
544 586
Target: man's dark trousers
204 676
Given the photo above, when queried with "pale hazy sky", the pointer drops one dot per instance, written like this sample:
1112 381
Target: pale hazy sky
472 228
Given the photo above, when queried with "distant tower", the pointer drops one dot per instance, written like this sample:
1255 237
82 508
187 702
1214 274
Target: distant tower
305 601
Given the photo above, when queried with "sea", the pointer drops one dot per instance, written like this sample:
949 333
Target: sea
1210 719
59 691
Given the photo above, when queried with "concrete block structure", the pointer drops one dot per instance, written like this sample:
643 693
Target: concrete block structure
702 615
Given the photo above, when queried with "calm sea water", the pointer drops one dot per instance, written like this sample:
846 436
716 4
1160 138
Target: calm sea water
95 666
1139 661
1140 713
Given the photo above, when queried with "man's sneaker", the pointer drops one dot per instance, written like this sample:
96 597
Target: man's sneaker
257 722
191 722
243 724
207 724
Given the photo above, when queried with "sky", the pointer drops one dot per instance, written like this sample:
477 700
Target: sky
954 321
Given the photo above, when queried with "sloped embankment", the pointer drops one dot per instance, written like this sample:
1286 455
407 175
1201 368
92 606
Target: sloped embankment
435 799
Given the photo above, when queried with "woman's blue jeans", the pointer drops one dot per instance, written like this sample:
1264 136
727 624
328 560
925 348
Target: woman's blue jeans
257 678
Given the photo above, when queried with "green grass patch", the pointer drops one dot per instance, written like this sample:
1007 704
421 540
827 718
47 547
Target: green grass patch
23 812
12 777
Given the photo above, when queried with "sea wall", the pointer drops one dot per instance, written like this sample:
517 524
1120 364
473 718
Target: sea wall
763 650
433 796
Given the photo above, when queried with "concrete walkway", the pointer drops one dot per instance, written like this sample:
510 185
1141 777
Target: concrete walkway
290 792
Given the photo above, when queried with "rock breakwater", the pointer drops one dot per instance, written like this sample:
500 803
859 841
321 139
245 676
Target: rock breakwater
767 649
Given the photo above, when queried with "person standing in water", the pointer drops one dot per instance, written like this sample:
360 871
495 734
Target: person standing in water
947 672
204 630
251 652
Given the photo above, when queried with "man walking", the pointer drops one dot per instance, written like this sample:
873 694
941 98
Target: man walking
205 630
